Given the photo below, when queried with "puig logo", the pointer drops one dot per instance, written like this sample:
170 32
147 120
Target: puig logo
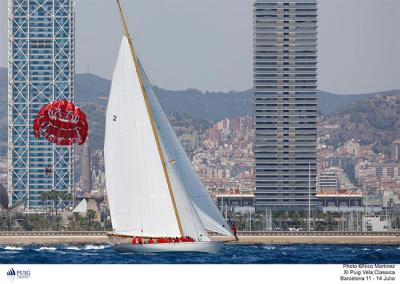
21 274
11 274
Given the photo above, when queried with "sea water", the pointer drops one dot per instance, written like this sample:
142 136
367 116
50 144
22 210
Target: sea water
231 254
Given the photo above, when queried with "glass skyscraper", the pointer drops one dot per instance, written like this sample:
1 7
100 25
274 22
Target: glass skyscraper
285 86
40 70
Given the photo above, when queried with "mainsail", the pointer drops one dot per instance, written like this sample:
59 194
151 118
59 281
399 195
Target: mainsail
137 188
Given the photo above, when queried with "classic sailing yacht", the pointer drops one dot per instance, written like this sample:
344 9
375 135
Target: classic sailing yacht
157 201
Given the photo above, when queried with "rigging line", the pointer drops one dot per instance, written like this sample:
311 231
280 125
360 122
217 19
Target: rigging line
149 76
150 113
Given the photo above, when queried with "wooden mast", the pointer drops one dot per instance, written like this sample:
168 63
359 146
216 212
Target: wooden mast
150 113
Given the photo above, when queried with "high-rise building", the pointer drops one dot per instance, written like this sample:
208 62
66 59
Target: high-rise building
328 181
40 70
86 182
396 150
285 86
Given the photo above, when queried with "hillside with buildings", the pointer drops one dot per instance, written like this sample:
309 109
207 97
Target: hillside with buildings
375 122
358 157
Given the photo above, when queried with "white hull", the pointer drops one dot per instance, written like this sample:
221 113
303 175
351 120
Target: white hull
206 247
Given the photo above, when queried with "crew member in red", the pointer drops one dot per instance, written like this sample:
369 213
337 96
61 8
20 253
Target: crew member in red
136 240
234 231
151 241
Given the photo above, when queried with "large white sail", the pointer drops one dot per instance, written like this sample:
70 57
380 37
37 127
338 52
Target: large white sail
183 169
139 199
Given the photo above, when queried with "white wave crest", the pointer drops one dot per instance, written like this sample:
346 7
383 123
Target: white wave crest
46 248
93 247
72 248
269 247
13 248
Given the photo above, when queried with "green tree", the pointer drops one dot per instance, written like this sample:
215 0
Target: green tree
56 198
65 197
74 222
53 196
40 222
91 216
44 197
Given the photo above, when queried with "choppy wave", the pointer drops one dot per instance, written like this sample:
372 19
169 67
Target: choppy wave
269 247
72 248
94 247
238 254
13 248
46 248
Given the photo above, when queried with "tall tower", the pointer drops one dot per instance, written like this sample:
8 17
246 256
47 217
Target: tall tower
285 86
86 177
40 70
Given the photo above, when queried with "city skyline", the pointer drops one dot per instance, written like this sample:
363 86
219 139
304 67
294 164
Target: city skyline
364 40
286 82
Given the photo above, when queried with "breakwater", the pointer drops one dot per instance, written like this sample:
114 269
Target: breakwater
276 237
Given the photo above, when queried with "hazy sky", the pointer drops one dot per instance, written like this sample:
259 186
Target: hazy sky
207 44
